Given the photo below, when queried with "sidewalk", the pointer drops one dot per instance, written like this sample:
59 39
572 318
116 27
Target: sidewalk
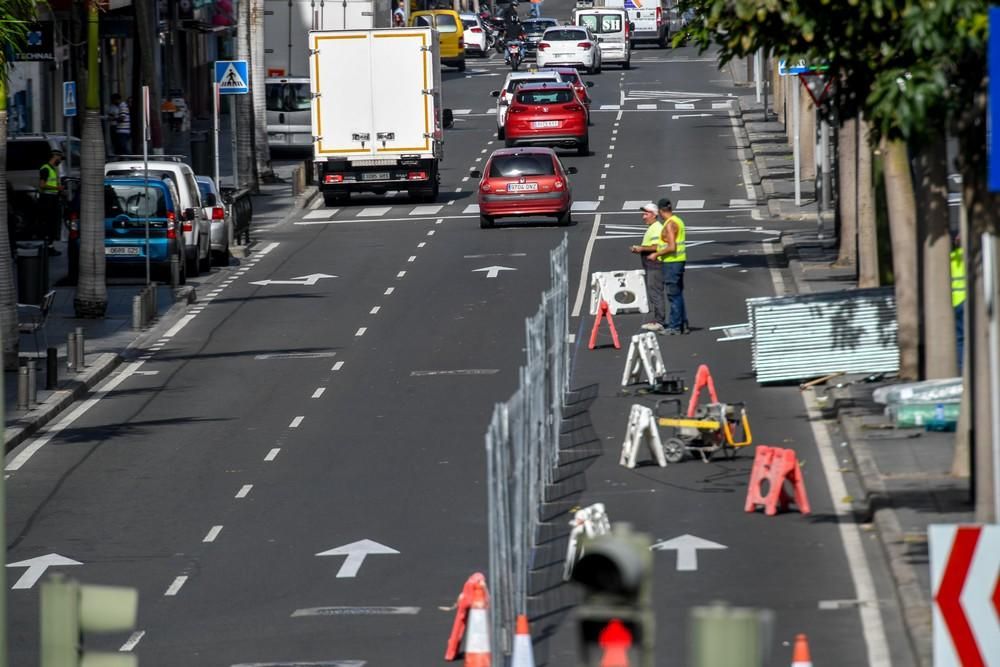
903 474
110 340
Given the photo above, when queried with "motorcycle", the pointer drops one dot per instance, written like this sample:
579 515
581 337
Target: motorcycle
515 53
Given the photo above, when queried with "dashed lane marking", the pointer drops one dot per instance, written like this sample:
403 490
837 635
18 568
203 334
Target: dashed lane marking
337 366
213 532
295 423
244 491
426 210
471 208
374 310
319 392
132 641
360 332
174 587
373 211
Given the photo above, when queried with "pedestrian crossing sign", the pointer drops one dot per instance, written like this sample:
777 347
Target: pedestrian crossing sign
231 75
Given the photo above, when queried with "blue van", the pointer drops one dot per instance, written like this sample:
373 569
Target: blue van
128 202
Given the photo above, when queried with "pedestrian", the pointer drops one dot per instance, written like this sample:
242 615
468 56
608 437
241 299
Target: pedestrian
958 297
536 9
399 15
50 200
672 253
121 137
652 267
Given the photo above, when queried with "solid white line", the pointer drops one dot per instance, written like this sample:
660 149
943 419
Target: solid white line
319 392
176 585
131 642
181 323
22 457
212 534
337 366
401 274
585 269
273 454
389 290
295 422
374 311
268 248
244 491
361 331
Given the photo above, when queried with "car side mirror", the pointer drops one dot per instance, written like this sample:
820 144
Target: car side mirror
495 93
475 173
571 170
590 84
447 118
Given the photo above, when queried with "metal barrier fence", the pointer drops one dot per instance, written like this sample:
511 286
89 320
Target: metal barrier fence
522 452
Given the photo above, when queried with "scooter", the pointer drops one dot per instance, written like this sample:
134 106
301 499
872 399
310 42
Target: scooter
515 53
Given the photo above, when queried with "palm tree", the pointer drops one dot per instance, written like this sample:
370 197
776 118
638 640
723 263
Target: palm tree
262 152
13 29
92 292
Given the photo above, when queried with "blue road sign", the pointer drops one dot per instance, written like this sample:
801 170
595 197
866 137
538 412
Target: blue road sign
993 103
69 98
784 69
232 77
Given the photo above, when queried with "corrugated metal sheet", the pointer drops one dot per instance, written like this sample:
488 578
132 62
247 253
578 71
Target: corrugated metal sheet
809 335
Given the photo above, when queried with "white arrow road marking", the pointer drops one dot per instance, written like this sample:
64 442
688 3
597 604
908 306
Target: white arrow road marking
37 566
493 271
356 553
686 547
720 265
309 280
675 187
692 115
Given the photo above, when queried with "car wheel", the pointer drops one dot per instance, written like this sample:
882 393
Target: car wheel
627 64
500 133
205 264
565 218
583 148
220 257
334 198
461 66
191 266
485 221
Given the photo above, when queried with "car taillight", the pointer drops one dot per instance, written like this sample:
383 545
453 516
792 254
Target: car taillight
218 213
461 42
543 45
171 232
485 186
503 97
417 176
476 30
517 109
333 178
187 226
659 16
584 45
572 108
558 185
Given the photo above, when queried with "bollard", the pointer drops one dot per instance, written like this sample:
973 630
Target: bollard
81 361
51 368
175 272
155 308
32 382
137 312
71 352
22 387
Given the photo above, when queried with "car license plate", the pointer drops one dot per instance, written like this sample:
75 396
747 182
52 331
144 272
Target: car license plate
375 176
513 48
121 250
522 187
545 123
277 138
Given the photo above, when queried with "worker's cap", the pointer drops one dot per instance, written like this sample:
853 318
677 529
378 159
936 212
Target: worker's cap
56 151
649 208
665 203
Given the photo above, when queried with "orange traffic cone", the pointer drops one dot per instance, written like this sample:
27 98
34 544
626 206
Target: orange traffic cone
800 654
524 654
477 632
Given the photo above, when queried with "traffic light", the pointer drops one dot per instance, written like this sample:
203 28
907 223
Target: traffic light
69 609
615 619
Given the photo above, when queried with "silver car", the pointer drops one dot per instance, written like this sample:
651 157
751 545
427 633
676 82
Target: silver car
220 214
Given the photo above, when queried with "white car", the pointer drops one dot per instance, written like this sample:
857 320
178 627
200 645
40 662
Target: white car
573 46
475 35
506 94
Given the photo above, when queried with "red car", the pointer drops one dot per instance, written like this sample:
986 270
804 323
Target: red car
547 114
523 182
572 75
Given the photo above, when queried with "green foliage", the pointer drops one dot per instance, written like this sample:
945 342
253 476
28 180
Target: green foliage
15 15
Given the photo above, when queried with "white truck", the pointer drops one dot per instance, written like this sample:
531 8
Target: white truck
286 57
377 119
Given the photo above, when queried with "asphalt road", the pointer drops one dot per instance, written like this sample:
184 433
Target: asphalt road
280 421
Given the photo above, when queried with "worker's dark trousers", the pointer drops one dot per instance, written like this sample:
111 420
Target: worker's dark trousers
654 290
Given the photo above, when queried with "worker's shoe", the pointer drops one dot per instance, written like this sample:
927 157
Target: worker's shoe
653 326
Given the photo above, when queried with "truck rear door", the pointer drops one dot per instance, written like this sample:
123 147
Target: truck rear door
342 104
405 90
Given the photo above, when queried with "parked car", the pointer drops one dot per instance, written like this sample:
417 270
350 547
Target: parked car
197 229
573 46
547 114
475 35
533 31
449 27
510 84
524 182
128 203
26 153
221 217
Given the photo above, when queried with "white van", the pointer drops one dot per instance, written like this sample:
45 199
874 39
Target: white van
611 27
197 229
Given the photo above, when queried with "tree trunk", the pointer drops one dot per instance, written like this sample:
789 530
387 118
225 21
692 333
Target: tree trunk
146 34
92 292
847 198
902 226
242 106
258 90
807 131
8 294
938 315
868 273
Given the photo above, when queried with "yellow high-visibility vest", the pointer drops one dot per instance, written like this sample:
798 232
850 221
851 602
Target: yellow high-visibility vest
957 278
680 255
652 236
51 179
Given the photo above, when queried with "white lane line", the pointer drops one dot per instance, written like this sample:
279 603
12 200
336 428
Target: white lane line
268 248
610 107
337 366
320 214
296 422
619 116
614 131
688 204
273 454
721 105
132 641
585 269
483 151
25 454
389 290
602 186
411 258
610 155
212 533
603 176
244 491
430 232
426 210
401 274
181 323
319 392
374 310
607 164
452 201
373 211
361 331
465 178
175 586
586 205
683 106
422 244
439 221
471 208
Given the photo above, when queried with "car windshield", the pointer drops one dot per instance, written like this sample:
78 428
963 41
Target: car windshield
446 23
134 201
207 193
515 83
535 27
602 23
544 96
513 166
287 96
564 35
